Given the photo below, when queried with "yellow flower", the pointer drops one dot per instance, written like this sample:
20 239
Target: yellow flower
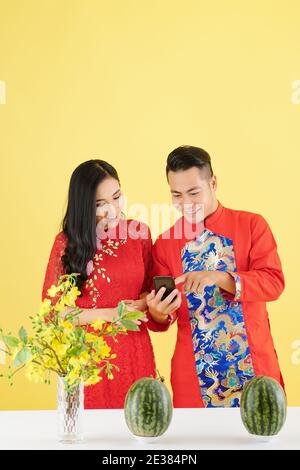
75 292
98 324
71 296
74 362
102 352
60 306
50 361
52 292
47 334
67 325
102 349
45 307
92 380
34 373
73 376
60 348
109 329
84 358
91 338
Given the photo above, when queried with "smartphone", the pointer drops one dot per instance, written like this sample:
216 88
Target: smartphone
164 281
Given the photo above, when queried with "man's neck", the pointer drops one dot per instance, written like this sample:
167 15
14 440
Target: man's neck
213 209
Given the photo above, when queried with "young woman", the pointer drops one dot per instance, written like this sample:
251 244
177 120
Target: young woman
112 269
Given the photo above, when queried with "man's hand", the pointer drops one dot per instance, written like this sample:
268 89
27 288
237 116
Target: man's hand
162 310
195 281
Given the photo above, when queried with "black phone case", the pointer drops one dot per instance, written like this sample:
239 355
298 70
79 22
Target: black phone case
164 281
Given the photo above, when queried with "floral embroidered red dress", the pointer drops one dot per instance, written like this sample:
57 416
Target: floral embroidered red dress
120 270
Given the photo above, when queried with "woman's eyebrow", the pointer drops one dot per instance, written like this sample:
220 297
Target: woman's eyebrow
118 190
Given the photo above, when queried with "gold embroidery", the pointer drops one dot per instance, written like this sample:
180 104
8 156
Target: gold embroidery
98 271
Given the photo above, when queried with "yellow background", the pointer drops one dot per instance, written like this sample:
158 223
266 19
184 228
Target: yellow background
127 81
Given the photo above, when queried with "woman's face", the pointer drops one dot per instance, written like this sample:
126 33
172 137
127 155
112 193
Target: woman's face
109 203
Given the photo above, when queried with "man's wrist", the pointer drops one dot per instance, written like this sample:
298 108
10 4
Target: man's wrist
220 277
225 281
164 321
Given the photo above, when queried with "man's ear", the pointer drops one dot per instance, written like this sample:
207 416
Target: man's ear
214 183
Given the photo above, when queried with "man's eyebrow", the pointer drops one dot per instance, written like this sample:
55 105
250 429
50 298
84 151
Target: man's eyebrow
118 190
189 190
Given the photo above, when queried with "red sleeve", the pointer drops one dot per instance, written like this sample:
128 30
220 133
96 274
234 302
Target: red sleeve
264 281
160 268
54 267
147 258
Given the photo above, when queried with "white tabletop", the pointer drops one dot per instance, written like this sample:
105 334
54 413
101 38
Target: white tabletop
192 428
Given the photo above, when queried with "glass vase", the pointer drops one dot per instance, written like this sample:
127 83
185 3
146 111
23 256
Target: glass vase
70 412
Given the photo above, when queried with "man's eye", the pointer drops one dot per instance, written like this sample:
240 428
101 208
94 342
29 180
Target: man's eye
176 195
117 197
195 194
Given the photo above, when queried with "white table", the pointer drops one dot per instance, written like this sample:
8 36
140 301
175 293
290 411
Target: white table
192 428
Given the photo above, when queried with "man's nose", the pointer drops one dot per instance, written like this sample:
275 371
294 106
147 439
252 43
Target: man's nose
187 201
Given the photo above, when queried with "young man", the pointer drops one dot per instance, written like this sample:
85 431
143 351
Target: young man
226 267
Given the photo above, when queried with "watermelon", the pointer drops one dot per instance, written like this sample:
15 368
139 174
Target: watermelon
148 408
263 406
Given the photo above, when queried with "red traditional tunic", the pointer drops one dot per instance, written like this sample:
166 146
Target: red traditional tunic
223 340
120 270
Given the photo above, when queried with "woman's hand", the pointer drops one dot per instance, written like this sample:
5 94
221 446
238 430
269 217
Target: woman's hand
139 304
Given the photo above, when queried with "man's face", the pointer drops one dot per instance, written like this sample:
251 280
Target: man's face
193 193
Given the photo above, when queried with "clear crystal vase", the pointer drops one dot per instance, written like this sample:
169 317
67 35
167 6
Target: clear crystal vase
70 413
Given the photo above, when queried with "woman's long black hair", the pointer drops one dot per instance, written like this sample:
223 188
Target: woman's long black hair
79 223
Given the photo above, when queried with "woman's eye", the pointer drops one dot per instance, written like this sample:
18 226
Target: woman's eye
117 197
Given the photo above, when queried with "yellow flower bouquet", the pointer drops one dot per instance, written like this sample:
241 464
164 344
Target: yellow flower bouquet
59 344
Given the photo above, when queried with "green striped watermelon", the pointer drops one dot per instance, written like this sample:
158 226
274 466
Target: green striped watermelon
263 406
148 407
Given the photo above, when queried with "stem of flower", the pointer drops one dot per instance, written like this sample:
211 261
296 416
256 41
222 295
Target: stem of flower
6 352
17 370
56 357
43 364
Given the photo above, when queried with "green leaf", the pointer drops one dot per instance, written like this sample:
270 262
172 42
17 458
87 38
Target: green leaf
23 335
75 351
121 309
129 325
80 333
11 341
22 357
136 315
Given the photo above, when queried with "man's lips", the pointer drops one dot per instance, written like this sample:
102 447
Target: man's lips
192 212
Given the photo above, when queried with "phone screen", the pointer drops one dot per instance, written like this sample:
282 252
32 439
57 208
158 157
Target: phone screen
164 281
